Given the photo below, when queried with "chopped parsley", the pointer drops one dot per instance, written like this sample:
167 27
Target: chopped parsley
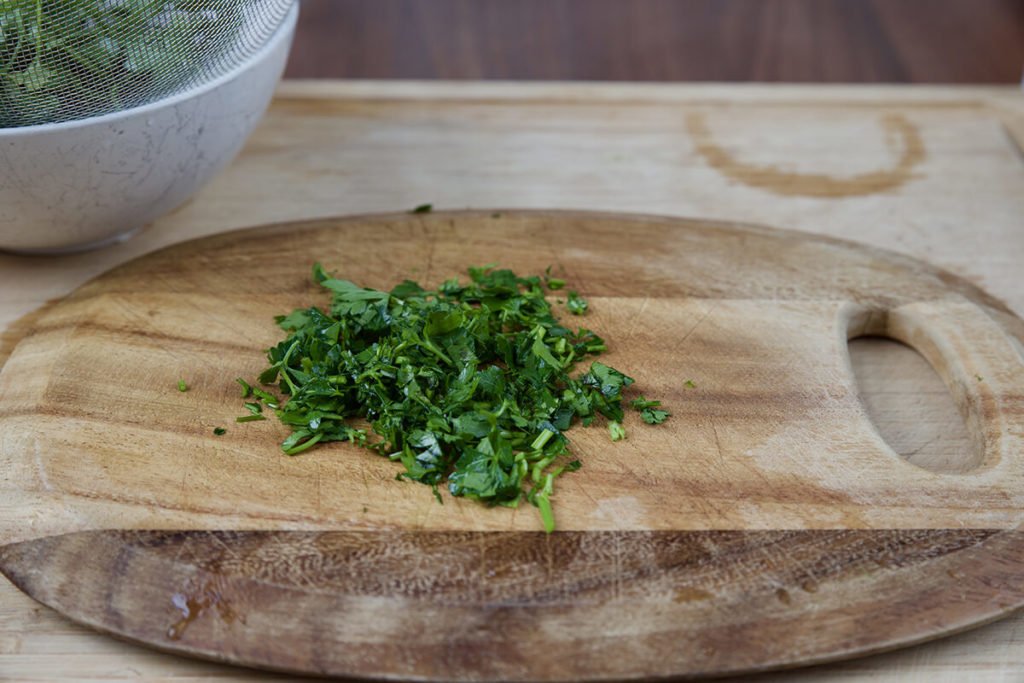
649 412
182 386
552 282
469 385
423 208
219 430
575 304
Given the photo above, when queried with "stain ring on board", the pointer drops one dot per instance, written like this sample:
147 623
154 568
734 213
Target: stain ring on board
792 184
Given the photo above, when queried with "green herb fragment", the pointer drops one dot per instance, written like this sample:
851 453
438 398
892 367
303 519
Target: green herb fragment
472 386
552 283
219 430
423 208
495 215
648 411
250 418
575 304
641 403
654 417
688 383
182 386
617 431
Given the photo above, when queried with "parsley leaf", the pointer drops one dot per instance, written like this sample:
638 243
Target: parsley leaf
652 416
617 431
575 304
648 411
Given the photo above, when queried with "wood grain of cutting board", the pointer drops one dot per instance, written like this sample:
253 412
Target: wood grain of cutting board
766 524
331 147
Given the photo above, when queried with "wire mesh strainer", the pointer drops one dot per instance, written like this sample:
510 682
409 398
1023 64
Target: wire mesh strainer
62 60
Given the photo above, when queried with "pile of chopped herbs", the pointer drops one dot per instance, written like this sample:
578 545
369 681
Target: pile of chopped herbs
466 384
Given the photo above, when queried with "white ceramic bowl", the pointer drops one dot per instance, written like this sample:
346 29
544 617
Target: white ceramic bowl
81 184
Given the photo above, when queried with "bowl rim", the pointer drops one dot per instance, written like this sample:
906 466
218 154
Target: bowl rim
281 34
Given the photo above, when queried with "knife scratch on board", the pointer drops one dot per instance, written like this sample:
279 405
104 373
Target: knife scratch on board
711 309
632 326
319 506
40 467
586 492
706 500
143 327
231 552
184 475
431 249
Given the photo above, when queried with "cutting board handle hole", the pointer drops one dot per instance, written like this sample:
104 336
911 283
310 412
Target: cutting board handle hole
910 406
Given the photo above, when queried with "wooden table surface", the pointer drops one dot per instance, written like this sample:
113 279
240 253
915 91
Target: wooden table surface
937 173
819 41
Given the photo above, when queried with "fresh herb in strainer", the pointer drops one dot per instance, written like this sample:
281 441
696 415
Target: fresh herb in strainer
65 59
467 384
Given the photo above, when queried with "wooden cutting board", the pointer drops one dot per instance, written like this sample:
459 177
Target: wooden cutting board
766 524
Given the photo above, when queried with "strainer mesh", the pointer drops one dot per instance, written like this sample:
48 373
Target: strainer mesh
62 60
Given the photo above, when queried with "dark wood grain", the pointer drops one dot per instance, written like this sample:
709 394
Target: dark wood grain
526 607
861 41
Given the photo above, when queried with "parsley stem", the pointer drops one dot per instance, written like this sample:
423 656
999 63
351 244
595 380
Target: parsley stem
542 439
284 367
309 443
539 466
501 410
425 344
545 513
